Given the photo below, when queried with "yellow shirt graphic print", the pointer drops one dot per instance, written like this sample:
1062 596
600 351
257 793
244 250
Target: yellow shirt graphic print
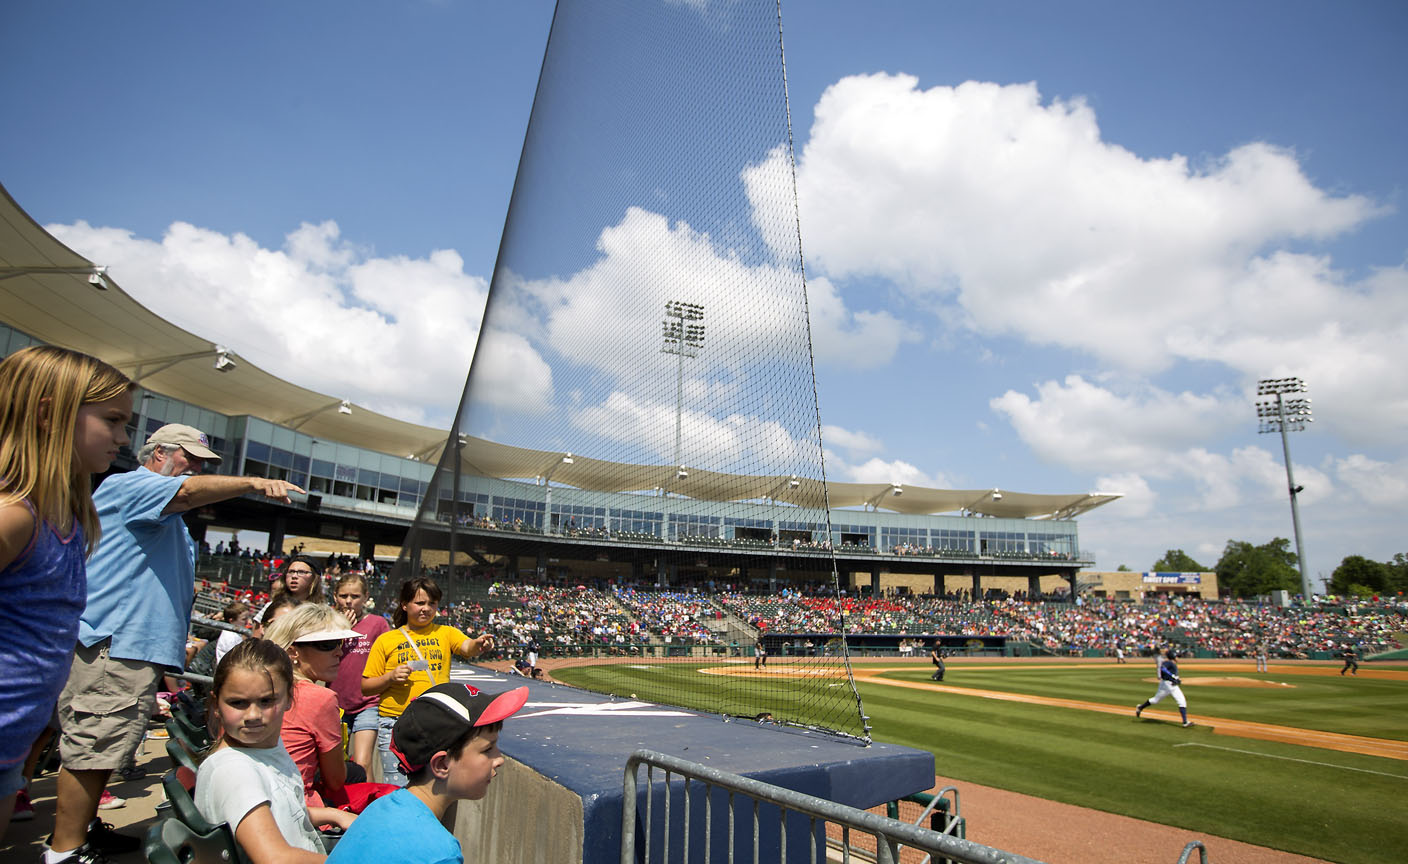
435 645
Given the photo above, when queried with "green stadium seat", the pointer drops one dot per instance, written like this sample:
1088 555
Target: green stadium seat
172 842
181 756
183 806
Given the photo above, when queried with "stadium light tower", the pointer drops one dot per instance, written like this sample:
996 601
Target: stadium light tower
682 340
1287 415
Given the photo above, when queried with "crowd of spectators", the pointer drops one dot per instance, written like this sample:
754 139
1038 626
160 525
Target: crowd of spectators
568 618
639 615
564 619
671 614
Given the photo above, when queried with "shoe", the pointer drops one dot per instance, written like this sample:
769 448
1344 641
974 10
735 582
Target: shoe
84 854
1187 723
107 841
110 801
132 772
1138 709
24 809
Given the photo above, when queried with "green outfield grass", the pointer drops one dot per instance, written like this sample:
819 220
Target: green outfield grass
1331 805
1350 705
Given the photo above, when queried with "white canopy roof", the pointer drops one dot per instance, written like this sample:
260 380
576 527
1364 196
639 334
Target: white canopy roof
490 459
55 295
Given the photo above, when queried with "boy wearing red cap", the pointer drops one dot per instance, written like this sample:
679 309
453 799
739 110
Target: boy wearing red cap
447 741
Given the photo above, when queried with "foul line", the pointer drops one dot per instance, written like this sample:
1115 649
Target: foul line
1293 759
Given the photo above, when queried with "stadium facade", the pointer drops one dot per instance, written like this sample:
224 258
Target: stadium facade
369 475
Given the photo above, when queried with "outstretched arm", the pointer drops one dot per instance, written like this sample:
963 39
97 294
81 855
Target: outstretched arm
202 489
471 648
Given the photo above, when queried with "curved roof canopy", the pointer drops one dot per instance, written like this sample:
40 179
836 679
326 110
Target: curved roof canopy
490 459
57 296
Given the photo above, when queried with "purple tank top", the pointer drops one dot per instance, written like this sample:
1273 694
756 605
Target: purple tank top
42 594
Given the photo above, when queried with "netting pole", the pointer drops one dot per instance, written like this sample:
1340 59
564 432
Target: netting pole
816 396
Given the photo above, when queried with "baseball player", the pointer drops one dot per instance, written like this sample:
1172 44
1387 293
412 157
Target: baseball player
1168 686
1351 660
1261 657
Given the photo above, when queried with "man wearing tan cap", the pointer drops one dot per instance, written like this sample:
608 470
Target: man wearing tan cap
141 585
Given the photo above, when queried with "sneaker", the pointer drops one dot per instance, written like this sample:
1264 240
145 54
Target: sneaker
84 854
107 841
24 810
1138 709
1187 723
110 801
132 772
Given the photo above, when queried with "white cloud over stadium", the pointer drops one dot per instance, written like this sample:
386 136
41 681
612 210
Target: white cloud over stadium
1152 291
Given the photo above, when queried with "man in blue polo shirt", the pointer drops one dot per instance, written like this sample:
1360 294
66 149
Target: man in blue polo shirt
141 585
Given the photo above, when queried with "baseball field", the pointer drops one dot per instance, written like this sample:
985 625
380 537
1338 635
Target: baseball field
1298 758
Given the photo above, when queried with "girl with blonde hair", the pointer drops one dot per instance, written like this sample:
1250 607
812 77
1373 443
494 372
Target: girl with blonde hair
63 418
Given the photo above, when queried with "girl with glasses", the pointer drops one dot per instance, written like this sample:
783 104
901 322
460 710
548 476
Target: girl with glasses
300 578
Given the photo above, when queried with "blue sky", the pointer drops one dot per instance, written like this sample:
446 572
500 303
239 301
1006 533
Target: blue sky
1189 198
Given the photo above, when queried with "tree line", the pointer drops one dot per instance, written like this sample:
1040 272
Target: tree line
1247 570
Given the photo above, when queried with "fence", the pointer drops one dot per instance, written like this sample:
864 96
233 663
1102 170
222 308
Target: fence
782 820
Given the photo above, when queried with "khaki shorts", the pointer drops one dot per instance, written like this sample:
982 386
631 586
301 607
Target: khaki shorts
100 716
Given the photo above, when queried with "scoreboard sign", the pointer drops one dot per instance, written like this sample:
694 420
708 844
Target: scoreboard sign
1174 578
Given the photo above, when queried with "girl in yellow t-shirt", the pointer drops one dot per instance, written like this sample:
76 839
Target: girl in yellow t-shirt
410 659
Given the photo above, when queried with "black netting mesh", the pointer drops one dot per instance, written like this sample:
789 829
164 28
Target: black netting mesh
641 418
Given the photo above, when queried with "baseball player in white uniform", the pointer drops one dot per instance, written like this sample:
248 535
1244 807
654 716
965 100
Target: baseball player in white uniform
1169 682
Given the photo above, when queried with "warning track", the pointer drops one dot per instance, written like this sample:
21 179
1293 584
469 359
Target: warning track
1385 748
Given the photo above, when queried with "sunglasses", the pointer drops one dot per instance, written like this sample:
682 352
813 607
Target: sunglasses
325 645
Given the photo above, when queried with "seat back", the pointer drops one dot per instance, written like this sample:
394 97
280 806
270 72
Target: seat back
171 842
181 757
192 727
183 805
195 739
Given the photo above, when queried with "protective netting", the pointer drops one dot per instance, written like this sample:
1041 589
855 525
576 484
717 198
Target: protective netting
638 440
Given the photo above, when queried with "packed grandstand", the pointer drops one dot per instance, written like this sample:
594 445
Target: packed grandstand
572 619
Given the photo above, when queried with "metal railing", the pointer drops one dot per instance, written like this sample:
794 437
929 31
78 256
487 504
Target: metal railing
794 822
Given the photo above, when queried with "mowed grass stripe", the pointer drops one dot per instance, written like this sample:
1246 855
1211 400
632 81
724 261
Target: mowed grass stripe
1131 767
1113 762
1372 708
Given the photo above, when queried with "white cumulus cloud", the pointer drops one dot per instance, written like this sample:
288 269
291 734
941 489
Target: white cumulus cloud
394 334
1015 217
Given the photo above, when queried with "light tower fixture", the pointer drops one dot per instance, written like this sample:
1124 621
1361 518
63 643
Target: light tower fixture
682 339
97 275
1283 415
